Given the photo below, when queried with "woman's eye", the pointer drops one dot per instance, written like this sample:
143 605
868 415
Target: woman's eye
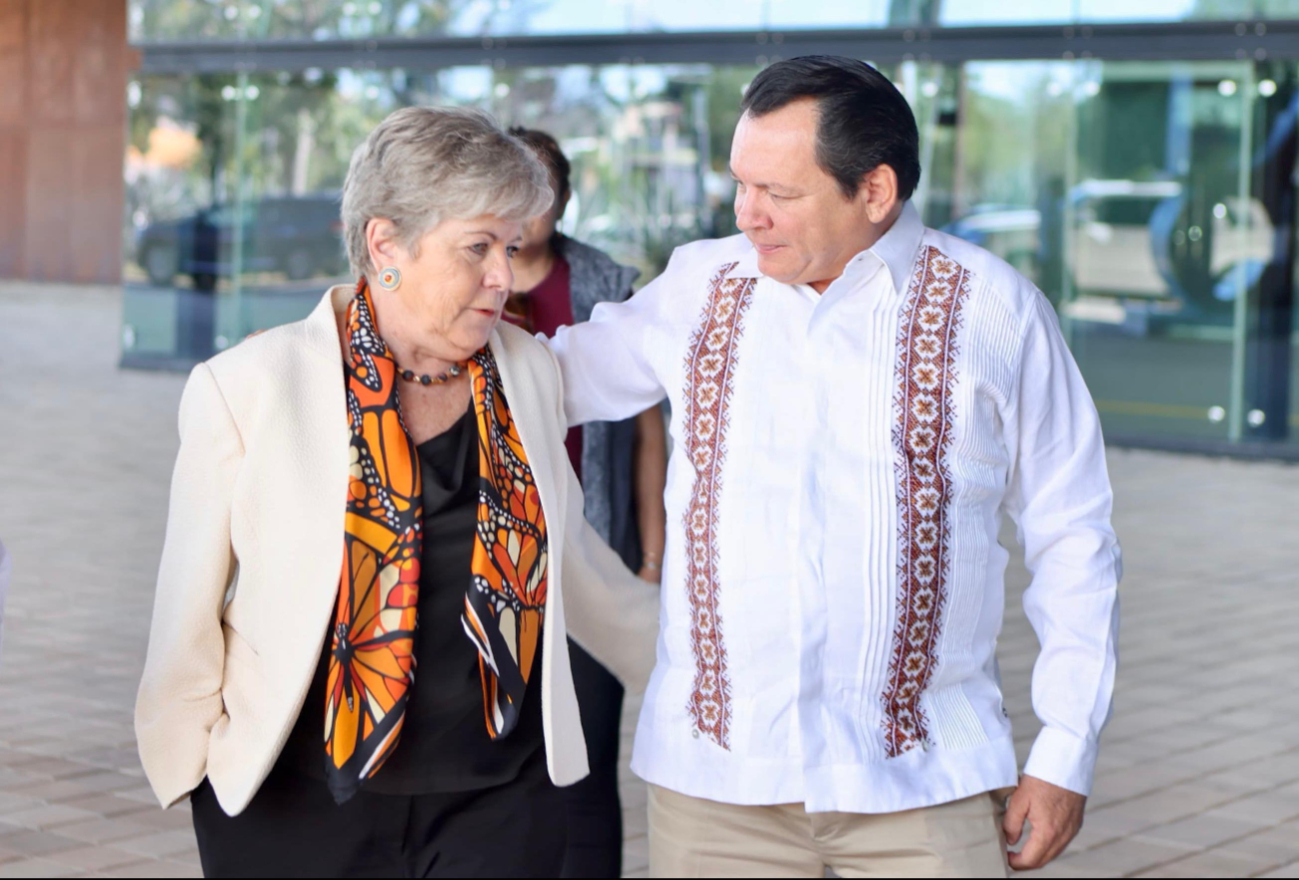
512 252
480 249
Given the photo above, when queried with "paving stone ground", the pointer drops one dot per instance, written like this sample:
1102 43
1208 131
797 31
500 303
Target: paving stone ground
1199 772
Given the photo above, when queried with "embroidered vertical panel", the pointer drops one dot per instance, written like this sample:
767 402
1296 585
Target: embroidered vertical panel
922 434
710 372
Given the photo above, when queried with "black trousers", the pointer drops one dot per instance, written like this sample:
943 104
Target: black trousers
594 810
293 829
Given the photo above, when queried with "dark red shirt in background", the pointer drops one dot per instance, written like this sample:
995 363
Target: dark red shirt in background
545 309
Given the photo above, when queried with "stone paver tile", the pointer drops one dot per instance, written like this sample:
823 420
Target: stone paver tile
1137 781
1265 808
158 869
1279 845
36 868
635 853
1200 831
165 820
1288 872
108 806
53 768
10 803
1100 827
1124 857
166 843
49 816
635 823
97 858
104 830
36 843
1061 869
1212 863
71 789
1162 807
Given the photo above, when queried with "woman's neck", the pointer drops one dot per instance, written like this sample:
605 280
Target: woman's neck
423 356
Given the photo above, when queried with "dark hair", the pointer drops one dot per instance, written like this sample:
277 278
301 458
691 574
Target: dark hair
864 120
547 149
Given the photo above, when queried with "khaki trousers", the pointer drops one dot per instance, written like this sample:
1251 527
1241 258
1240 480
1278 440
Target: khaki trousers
691 837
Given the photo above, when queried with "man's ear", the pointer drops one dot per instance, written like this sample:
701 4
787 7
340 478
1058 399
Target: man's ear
879 191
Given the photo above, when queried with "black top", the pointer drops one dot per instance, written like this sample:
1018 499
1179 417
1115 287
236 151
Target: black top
444 744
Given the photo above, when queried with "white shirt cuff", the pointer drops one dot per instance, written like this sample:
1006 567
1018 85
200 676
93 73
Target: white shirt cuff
1064 760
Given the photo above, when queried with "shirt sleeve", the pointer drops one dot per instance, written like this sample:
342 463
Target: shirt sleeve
608 611
1060 499
607 371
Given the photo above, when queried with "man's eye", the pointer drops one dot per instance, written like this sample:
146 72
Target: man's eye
480 249
512 252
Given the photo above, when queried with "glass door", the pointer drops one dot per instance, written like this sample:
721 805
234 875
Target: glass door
1163 243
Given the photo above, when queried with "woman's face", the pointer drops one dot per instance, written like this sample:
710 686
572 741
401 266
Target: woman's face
453 286
540 229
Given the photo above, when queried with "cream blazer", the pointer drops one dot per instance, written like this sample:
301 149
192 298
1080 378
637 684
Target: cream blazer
254 549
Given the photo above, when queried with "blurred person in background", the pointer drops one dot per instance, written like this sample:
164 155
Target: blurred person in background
622 467
857 402
381 488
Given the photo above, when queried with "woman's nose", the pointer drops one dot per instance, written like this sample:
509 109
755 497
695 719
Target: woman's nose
500 274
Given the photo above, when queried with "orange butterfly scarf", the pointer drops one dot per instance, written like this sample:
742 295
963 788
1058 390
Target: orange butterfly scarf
372 663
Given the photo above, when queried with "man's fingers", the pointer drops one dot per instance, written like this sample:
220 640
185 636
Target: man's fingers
1016 812
1059 843
1033 857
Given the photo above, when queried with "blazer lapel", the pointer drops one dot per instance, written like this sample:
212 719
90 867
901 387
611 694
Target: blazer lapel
522 395
322 440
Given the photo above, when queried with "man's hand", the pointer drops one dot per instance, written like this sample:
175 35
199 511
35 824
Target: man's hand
1056 815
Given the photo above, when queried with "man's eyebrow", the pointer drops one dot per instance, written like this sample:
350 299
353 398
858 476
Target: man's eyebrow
779 187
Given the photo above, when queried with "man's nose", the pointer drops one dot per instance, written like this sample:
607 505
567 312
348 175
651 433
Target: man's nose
749 214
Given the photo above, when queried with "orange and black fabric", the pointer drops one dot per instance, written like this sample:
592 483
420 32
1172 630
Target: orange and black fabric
372 665
505 606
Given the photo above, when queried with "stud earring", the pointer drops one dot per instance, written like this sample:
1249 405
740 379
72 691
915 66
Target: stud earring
390 279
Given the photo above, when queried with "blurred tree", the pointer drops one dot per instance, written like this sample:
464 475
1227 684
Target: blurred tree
154 20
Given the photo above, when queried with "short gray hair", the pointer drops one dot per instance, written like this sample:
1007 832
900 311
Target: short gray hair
424 165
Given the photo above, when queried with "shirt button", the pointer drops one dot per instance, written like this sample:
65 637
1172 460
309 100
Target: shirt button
694 734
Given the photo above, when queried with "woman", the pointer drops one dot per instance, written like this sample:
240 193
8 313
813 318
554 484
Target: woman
379 489
623 469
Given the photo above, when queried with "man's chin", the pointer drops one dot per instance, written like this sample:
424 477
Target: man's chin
777 270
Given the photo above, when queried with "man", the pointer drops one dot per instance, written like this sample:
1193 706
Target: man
856 399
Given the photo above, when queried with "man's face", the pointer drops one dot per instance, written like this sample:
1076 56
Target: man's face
804 229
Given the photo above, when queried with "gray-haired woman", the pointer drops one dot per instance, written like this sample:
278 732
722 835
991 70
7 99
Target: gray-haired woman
380 489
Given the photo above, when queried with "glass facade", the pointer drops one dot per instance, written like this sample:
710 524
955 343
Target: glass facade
1152 201
156 20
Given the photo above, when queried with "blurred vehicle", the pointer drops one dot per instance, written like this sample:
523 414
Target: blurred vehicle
299 236
1009 231
1138 241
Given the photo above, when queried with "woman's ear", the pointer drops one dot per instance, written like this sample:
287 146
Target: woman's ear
385 248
